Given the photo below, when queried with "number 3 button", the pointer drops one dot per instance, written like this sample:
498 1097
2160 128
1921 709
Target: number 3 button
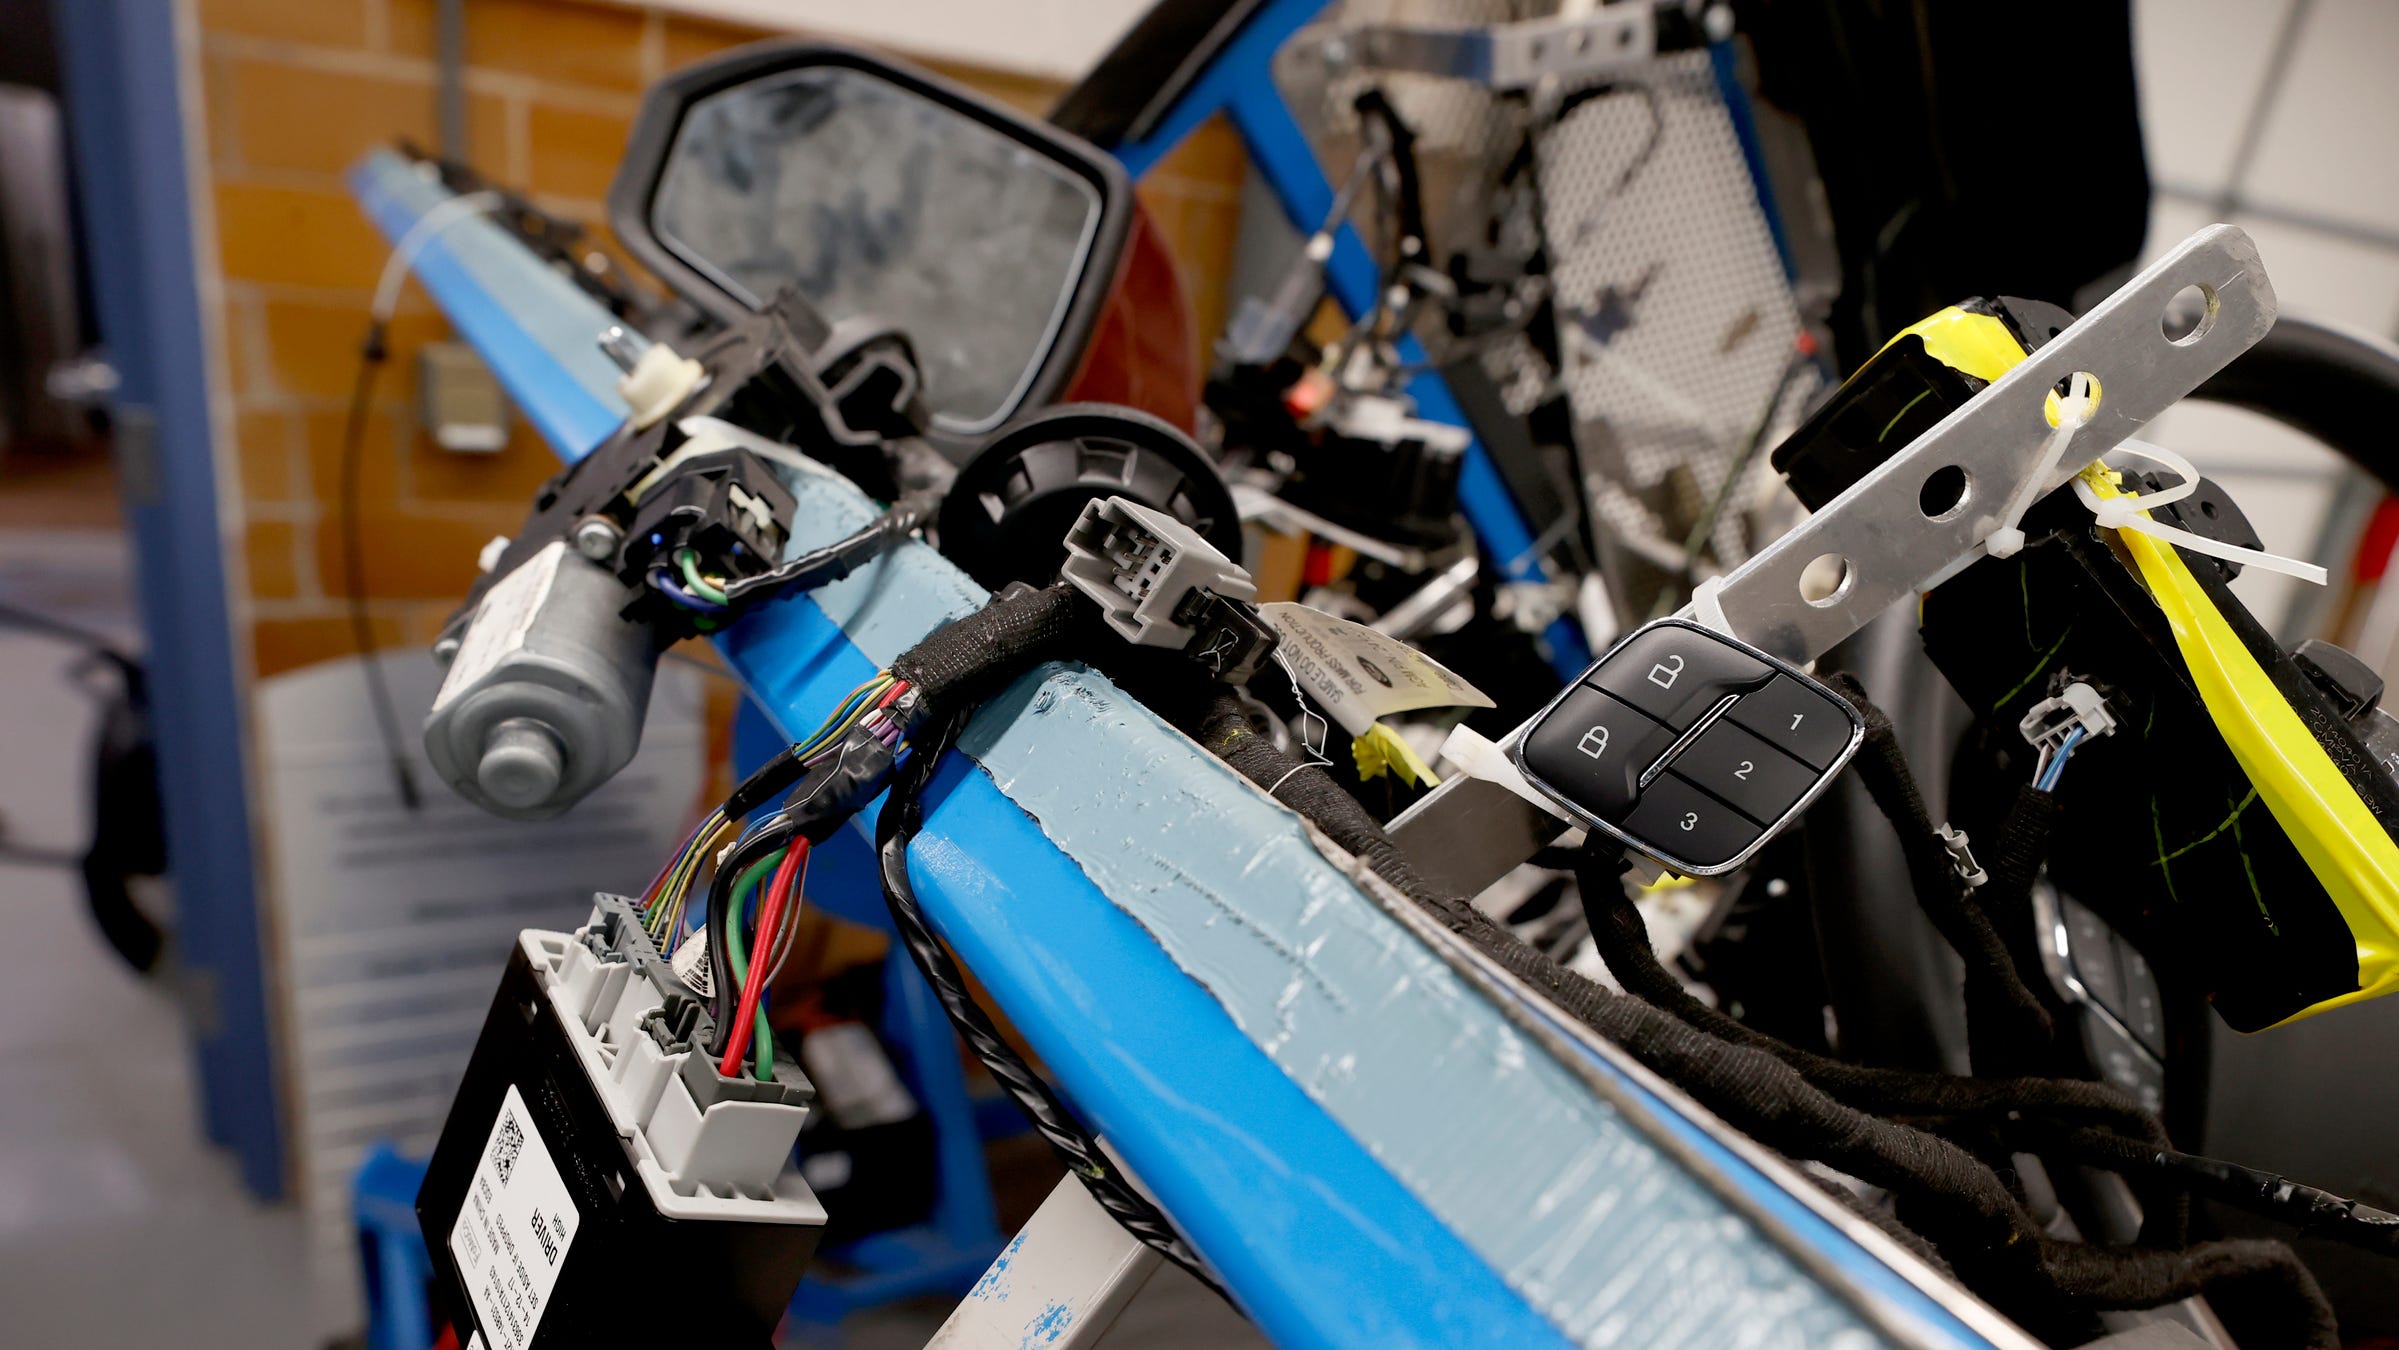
1680 819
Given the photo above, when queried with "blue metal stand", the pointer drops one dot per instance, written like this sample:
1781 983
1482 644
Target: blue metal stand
391 1250
1240 84
123 106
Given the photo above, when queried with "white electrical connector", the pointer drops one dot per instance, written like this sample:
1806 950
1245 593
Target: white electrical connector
2051 720
1140 566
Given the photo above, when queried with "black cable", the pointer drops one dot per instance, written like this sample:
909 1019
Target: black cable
371 355
770 834
1076 1146
34 621
2311 1210
2008 1027
1623 942
824 566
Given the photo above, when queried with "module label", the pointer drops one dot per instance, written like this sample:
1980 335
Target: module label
513 1232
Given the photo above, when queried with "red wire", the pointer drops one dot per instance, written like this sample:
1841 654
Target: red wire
892 694
762 941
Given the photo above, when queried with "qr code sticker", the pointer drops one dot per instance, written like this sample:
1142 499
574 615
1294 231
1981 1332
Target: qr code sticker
505 1145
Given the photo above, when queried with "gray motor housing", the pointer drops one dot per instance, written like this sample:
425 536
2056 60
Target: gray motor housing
547 692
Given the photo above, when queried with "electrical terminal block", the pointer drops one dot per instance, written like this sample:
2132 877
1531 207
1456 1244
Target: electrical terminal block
1159 584
642 1040
2047 724
591 1134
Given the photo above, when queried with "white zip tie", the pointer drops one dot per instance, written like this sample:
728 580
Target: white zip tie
2073 413
2127 513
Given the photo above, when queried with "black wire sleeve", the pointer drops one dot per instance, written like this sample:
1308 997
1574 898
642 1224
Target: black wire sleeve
2008 1027
902 816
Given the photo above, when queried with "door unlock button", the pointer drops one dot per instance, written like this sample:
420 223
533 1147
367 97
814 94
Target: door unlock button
1676 674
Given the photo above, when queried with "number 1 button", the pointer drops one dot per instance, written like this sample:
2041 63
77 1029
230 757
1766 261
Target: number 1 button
1796 718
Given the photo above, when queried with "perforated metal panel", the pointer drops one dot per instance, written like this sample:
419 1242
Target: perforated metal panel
1676 317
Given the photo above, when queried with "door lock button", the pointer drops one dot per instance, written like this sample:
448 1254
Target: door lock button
1593 749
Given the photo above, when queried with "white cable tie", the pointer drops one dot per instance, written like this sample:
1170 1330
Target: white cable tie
2130 513
438 217
2073 414
1707 606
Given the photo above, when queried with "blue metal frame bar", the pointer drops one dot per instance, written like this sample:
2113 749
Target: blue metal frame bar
126 122
1240 84
1289 1069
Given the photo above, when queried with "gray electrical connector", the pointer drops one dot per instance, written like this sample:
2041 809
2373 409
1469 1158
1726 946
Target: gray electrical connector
709 1146
1141 566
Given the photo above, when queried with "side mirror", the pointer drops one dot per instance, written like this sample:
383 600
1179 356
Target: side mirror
884 194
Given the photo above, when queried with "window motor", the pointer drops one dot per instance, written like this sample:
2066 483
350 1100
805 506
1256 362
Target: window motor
651 539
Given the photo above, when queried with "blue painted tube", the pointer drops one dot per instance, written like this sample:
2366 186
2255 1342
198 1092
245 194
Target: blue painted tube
531 326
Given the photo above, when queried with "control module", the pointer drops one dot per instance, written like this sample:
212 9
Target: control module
1689 746
592 1139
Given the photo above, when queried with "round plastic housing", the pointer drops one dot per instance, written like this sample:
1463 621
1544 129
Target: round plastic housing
1007 516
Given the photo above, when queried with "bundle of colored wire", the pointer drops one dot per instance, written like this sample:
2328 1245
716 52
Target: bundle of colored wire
872 704
749 1018
662 904
2052 765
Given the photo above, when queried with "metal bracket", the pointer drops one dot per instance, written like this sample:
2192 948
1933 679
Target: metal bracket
1878 544
1610 39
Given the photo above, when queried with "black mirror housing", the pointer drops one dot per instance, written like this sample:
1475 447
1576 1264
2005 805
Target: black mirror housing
634 199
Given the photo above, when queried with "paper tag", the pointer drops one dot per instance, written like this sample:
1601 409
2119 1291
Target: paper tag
501 621
690 964
513 1232
1357 674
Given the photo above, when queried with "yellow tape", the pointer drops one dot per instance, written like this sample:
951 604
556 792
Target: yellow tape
1978 344
2353 857
1382 748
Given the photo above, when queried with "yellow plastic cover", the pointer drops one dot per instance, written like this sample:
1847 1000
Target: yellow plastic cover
2353 857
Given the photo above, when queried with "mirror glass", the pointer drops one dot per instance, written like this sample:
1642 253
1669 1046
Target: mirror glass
877 201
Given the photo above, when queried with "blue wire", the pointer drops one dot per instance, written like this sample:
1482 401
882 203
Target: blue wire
2057 762
666 586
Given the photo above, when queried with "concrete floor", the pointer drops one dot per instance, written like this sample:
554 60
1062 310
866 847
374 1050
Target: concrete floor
119 1226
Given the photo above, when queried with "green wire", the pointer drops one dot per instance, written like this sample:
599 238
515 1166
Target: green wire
700 586
742 886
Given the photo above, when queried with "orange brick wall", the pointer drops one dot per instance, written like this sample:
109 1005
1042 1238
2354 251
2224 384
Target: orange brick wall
294 91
